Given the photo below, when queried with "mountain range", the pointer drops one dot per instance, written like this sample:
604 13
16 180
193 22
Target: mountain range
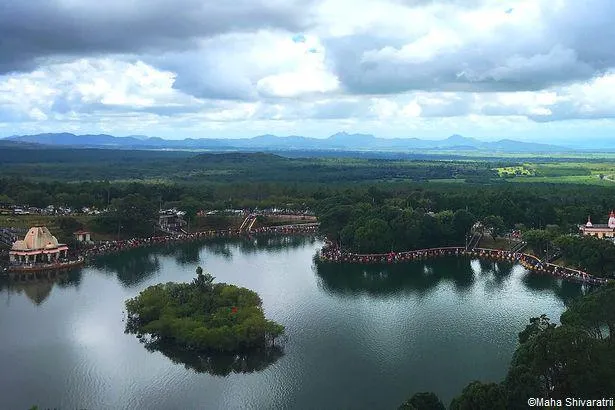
340 141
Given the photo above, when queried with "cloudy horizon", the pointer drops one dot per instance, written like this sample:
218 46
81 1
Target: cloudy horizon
533 70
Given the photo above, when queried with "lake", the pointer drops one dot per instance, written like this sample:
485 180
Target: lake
358 337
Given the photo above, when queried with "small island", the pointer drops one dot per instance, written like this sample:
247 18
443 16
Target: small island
201 316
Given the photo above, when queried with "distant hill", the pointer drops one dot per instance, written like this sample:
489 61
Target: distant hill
339 141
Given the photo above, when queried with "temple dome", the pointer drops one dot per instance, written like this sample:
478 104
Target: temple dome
589 222
37 238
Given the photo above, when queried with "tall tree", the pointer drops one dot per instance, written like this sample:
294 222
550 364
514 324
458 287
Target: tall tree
423 401
480 396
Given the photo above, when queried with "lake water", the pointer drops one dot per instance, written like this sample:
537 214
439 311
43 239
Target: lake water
358 337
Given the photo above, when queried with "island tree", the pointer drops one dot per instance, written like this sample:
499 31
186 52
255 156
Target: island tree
201 316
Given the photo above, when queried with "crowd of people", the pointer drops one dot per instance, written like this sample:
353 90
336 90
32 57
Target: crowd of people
533 263
121 245
333 253
286 229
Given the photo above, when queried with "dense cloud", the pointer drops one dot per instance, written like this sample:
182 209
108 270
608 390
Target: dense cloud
529 49
266 65
33 29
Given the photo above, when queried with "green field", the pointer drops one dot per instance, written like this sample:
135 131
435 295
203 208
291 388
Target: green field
566 172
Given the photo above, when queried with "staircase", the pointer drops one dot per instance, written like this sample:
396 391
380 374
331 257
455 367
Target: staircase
251 224
518 247
474 241
245 223
248 223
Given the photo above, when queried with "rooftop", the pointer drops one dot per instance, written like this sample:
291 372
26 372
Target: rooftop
37 238
597 226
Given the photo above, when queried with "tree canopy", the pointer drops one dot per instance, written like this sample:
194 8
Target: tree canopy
202 315
480 396
134 214
423 401
371 228
596 256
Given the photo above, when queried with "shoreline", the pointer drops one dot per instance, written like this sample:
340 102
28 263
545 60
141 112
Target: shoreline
332 254
84 256
111 247
329 253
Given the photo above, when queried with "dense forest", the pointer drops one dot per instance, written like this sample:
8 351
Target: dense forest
533 205
191 167
362 215
372 187
365 204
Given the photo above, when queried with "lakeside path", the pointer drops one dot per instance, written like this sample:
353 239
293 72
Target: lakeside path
332 254
109 247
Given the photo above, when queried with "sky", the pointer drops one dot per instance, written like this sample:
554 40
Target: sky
535 70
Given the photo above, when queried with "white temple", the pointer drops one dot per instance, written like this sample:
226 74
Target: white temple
38 246
599 230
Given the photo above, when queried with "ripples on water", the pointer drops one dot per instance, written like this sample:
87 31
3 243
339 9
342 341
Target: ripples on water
358 336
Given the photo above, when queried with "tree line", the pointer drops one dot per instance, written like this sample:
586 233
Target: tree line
533 205
398 214
587 253
201 316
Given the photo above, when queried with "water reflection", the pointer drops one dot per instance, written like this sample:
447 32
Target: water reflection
222 364
437 341
275 243
254 244
184 254
220 248
567 291
137 265
385 280
131 267
485 265
38 290
420 277
495 273
502 270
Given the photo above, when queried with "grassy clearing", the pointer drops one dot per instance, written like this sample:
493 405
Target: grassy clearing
521 170
448 180
586 173
579 179
499 243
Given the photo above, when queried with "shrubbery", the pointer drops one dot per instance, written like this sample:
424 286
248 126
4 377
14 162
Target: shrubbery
202 315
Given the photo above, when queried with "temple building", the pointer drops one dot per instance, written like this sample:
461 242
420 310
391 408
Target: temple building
39 246
171 220
599 230
83 236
